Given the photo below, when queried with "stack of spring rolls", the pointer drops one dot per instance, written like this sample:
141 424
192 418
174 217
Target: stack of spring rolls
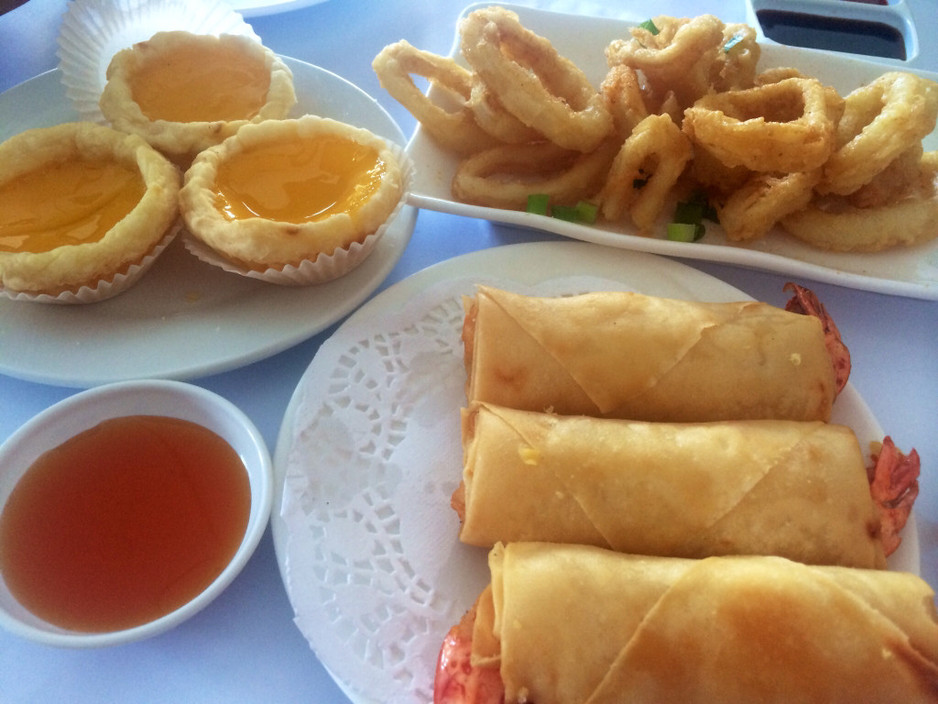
670 513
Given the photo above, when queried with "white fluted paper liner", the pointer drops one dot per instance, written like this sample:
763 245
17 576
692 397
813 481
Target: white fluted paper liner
94 30
308 273
325 267
103 288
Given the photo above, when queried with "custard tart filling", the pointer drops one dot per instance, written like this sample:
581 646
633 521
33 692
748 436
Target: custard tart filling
71 202
185 92
80 202
284 191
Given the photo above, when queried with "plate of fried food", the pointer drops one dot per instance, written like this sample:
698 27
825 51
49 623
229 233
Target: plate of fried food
440 421
185 318
679 136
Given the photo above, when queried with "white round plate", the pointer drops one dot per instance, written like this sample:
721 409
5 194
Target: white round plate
185 318
255 8
906 271
369 453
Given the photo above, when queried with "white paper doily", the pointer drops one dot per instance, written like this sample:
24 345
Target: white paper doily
369 454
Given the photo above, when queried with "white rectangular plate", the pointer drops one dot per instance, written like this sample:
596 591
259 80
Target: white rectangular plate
904 271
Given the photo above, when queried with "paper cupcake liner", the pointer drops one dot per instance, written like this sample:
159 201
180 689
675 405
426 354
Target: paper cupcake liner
325 267
94 30
103 288
307 273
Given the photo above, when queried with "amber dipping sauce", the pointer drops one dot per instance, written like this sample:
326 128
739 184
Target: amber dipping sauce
123 523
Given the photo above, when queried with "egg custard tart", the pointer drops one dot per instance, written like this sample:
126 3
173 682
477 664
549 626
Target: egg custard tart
80 204
184 92
284 192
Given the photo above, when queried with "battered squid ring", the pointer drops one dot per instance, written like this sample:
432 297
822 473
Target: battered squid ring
892 183
880 121
504 176
778 127
622 92
455 130
762 201
735 66
714 176
653 156
679 57
544 90
492 117
832 223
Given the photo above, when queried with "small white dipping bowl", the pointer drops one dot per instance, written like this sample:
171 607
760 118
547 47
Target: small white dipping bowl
87 409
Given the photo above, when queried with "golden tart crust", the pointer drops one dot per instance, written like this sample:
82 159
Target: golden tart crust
52 243
282 192
184 92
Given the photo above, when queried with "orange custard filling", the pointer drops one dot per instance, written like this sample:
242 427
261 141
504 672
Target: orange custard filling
305 180
201 84
72 202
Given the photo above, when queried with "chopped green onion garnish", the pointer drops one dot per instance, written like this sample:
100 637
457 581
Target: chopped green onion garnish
564 212
538 203
689 211
650 26
687 225
733 41
708 212
684 231
586 212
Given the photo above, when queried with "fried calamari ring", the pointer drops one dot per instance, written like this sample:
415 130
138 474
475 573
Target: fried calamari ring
835 103
736 63
776 74
645 170
831 223
762 201
777 127
504 176
670 106
544 90
492 116
715 176
622 91
456 129
679 57
892 183
881 120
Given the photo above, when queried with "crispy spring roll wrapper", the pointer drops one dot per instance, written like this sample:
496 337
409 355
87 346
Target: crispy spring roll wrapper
798 489
573 623
626 355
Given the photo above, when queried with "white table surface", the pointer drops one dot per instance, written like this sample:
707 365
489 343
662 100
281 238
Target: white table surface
244 647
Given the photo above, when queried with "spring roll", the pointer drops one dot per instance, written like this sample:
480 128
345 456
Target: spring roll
798 489
572 623
626 355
